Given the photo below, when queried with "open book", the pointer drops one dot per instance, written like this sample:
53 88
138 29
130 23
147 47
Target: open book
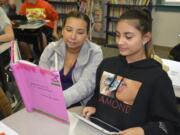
174 74
100 125
40 89
174 71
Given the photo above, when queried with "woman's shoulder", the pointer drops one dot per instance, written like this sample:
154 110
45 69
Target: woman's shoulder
52 48
54 45
93 46
2 12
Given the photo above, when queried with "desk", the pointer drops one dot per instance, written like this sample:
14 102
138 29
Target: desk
3 48
31 26
35 123
31 30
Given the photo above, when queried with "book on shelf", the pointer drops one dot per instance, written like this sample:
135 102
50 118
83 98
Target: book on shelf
131 2
111 40
62 0
40 89
112 27
63 8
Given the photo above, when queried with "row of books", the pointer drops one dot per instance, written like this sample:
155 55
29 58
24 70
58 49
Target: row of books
60 22
131 2
116 11
65 9
111 40
62 0
63 14
112 26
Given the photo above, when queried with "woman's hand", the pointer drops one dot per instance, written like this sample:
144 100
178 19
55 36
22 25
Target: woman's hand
133 131
88 111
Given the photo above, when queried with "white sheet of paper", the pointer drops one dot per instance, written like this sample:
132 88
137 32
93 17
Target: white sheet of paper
7 130
174 71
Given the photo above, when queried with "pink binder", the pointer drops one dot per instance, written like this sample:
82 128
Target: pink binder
40 89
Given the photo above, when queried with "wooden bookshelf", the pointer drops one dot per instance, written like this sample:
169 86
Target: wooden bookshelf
63 7
114 10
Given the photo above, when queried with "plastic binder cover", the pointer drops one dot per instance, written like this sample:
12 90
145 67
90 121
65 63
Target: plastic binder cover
40 89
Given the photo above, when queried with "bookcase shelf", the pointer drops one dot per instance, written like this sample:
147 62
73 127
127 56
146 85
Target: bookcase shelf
111 33
112 46
112 18
63 8
63 2
114 10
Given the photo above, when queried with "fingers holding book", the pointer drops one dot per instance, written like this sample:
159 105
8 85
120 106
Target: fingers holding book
88 111
133 131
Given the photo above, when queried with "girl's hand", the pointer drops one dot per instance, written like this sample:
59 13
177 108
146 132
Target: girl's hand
88 111
133 131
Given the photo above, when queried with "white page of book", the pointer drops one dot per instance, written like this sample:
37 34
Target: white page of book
174 71
7 130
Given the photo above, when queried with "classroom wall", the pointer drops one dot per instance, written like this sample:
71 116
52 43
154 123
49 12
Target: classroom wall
166 28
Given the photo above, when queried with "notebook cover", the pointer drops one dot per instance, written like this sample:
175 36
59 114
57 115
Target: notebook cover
40 89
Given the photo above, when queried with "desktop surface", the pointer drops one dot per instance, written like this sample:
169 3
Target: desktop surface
37 123
31 25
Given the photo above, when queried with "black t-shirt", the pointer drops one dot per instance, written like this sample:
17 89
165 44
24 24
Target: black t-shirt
135 94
